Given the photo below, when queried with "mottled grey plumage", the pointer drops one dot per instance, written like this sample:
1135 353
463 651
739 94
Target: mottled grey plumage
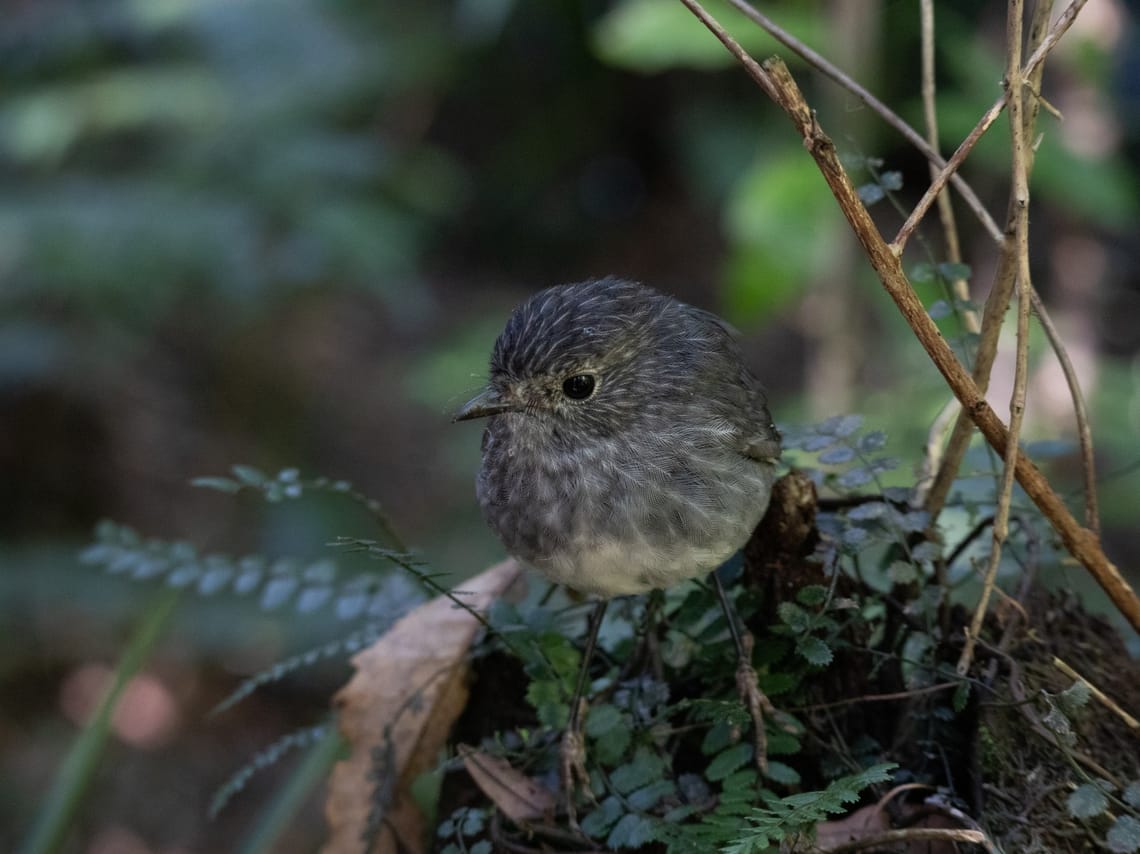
658 475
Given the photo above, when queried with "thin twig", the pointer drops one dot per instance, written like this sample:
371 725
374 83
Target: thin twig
940 428
1038 24
914 834
1084 431
958 286
948 171
773 77
1106 700
827 69
1014 21
997 303
877 698
968 540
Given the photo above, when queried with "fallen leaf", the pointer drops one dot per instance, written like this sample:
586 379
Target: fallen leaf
396 713
870 820
519 797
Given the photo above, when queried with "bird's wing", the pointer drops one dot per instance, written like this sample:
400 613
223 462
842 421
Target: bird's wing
764 448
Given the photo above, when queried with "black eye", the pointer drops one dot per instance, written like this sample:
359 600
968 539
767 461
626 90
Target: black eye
578 387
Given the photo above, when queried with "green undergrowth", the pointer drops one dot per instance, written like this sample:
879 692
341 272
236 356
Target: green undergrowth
853 639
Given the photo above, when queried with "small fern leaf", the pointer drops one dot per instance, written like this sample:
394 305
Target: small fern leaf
265 759
1124 836
279 670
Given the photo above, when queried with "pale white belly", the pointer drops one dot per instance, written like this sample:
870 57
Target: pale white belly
625 568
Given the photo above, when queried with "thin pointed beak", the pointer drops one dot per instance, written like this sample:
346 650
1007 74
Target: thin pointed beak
485 403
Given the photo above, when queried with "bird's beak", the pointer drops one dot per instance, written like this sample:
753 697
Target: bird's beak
485 403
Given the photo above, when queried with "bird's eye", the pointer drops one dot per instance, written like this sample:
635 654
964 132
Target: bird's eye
578 387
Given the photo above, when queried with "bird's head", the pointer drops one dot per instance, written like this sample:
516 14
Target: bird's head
586 358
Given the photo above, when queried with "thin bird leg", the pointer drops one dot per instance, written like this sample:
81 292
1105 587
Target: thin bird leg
746 683
647 654
572 755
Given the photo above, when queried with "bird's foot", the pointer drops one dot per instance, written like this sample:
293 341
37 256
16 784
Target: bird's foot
572 767
755 700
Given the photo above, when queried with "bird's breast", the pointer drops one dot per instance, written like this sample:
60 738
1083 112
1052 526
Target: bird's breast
619 515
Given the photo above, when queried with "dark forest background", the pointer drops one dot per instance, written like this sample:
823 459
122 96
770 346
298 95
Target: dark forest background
286 234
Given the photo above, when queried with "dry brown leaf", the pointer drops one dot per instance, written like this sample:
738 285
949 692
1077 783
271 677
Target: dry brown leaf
519 797
413 680
870 820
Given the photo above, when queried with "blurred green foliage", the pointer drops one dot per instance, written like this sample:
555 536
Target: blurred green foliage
287 231
160 150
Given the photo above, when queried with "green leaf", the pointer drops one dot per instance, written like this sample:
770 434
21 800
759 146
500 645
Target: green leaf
648 36
740 785
719 736
870 193
781 773
602 718
632 831
728 761
837 456
249 476
647 797
562 655
473 821
1087 801
1056 721
854 478
545 695
939 309
1074 698
961 696
814 651
793 616
891 180
277 592
775 684
600 820
812 595
782 743
902 572
951 271
645 768
312 598
922 273
1124 836
221 484
610 729
1131 794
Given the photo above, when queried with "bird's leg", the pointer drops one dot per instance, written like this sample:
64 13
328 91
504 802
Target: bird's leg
647 654
572 755
746 683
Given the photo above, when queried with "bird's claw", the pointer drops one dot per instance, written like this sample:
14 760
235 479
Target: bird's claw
572 768
756 701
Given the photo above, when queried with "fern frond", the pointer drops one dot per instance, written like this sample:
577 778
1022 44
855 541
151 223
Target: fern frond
265 759
309 586
288 484
280 669
800 813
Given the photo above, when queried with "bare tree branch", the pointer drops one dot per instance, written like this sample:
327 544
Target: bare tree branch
1020 247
